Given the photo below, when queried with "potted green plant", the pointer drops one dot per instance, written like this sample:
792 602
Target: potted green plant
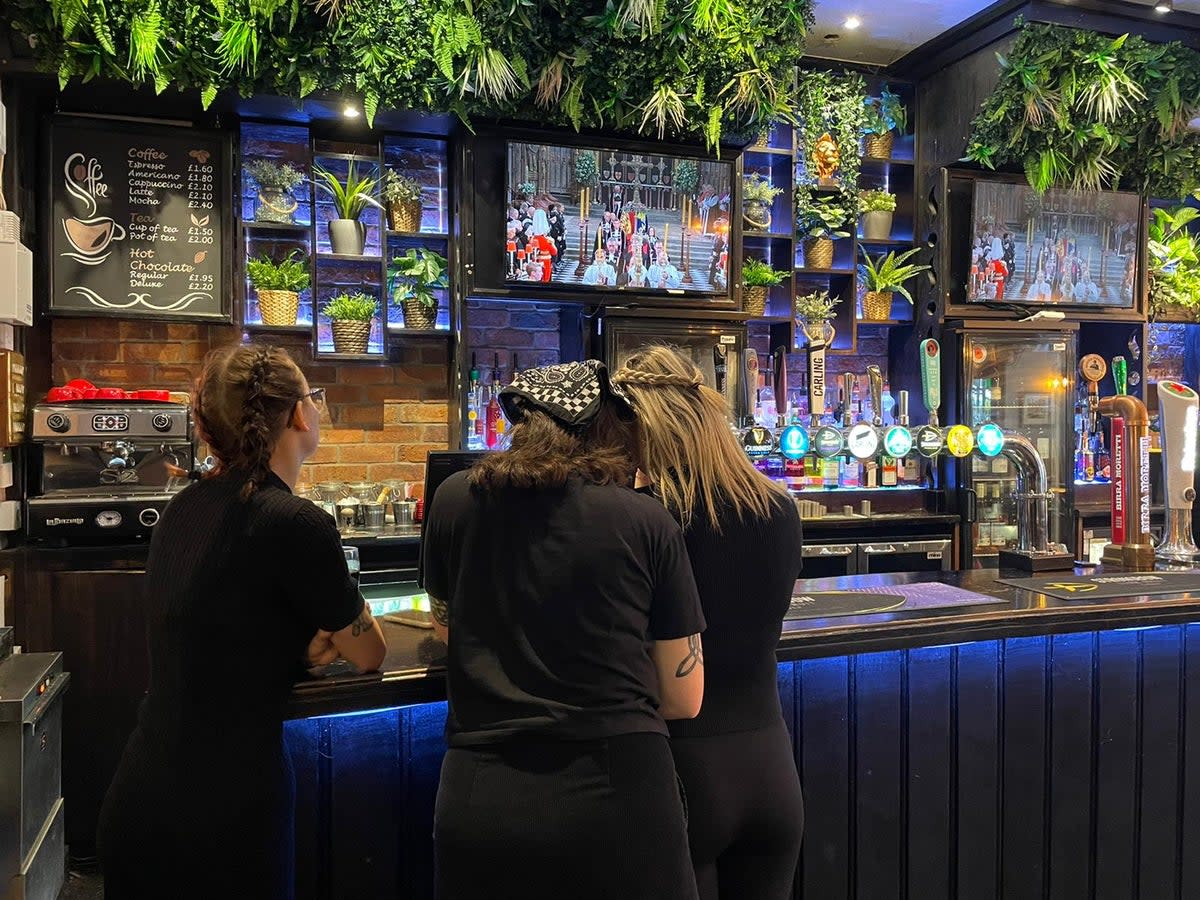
757 279
815 308
415 275
757 196
1174 261
346 233
402 194
278 286
350 316
275 181
877 208
887 116
819 221
884 276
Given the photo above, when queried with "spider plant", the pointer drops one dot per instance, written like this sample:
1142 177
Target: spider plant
888 274
353 196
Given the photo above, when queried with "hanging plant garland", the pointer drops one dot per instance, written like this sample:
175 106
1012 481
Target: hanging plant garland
665 69
1080 110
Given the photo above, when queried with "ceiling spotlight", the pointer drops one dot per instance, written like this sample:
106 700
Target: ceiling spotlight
1164 6
350 111
854 21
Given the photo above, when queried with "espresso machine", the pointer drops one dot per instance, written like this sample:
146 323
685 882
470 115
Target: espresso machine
104 471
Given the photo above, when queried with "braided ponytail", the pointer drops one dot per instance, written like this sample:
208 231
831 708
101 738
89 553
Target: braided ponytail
639 378
243 401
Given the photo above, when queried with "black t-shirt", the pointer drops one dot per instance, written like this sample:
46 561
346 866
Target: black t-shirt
745 573
555 597
236 590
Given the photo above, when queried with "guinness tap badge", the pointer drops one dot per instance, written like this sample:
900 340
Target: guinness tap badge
758 442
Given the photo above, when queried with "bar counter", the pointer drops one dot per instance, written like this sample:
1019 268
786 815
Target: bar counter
414 669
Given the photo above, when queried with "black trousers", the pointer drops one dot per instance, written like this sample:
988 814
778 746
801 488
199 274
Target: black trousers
589 820
745 812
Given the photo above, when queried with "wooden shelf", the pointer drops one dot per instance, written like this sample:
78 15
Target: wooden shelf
353 157
277 226
890 161
350 257
803 271
771 320
260 328
352 357
399 331
768 235
429 235
767 151
890 242
884 322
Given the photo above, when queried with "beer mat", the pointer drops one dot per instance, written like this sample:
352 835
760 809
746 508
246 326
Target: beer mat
1111 586
890 598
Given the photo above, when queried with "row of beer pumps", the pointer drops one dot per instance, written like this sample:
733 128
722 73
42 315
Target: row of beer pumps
1132 545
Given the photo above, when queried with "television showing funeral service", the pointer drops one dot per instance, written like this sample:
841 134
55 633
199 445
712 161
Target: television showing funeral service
615 220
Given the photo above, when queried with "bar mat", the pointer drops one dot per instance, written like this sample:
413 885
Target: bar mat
1110 587
892 598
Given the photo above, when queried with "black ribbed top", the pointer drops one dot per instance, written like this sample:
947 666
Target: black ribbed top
745 576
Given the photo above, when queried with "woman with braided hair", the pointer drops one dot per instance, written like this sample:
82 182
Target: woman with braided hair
746 814
247 586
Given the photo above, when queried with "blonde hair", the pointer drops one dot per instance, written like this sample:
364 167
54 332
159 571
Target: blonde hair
684 440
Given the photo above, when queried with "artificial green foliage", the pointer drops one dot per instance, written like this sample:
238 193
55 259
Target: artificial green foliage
1081 110
814 307
352 308
756 273
889 273
271 175
885 113
290 274
876 201
416 274
399 188
683 69
825 215
1174 260
759 189
833 102
350 197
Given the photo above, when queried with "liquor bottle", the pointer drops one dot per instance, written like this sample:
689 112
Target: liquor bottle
474 410
888 471
1085 466
1103 460
831 471
888 412
851 475
494 428
766 401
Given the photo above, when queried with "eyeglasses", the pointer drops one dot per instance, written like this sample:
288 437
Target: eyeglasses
317 395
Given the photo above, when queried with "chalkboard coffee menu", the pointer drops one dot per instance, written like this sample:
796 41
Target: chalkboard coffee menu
139 220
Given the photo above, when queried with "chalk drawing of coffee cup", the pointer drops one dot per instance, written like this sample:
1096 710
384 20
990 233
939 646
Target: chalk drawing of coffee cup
91 237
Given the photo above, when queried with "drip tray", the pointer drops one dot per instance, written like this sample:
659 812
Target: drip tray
866 601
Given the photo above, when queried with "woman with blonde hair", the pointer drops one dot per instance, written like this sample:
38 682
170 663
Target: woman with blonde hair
746 813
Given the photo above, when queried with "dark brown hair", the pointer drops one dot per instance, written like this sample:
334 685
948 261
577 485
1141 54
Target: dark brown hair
544 454
244 401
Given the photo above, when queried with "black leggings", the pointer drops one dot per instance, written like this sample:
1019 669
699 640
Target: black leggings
745 812
590 820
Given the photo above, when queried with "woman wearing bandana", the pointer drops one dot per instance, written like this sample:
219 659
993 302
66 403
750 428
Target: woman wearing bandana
573 625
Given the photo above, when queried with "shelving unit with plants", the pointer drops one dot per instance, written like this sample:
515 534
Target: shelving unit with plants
367 220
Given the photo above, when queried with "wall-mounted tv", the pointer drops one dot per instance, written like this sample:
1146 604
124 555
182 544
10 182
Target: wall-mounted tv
1060 247
605 219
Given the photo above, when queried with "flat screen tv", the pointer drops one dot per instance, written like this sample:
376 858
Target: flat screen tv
604 219
1060 247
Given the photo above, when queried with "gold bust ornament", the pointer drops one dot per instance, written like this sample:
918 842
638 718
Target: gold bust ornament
827 157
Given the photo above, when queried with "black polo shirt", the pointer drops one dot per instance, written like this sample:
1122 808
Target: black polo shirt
555 598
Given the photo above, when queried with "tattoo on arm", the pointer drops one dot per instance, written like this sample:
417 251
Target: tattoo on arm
441 612
362 623
694 658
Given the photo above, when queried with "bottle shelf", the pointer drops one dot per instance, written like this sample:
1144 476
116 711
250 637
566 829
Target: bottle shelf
290 227
805 271
260 328
425 235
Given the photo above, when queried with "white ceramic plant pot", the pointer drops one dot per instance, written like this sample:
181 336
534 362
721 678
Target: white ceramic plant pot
877 225
347 236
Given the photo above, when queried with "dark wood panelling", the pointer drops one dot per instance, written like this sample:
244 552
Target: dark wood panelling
422 748
1116 752
977 783
929 713
1189 793
1071 766
878 772
825 761
1023 769
1158 863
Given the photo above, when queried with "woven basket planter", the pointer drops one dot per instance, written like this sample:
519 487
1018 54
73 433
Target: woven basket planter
417 315
877 306
278 307
878 146
755 300
405 216
350 336
818 253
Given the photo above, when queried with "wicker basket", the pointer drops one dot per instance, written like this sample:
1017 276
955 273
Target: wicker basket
755 300
878 146
278 307
350 336
417 315
877 306
405 216
818 253
763 141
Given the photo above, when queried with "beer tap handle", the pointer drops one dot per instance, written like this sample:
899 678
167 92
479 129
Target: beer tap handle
1093 368
719 370
931 378
902 409
875 379
1120 372
749 384
848 380
780 387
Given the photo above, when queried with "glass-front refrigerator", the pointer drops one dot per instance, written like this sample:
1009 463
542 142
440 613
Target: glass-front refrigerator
717 348
1022 379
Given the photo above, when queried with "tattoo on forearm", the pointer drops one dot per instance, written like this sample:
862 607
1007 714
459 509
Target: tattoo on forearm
694 658
441 612
362 623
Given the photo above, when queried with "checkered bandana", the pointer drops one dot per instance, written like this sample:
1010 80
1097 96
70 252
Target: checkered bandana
569 392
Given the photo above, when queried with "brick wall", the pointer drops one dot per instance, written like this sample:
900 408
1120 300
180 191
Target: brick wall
384 417
530 330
